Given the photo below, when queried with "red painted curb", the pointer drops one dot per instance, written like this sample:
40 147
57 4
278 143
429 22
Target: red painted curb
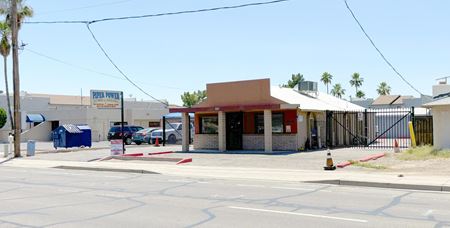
156 153
133 155
378 156
372 157
186 160
344 164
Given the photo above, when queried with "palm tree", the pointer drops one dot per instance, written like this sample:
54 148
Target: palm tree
5 49
360 94
338 91
356 81
326 79
384 89
23 11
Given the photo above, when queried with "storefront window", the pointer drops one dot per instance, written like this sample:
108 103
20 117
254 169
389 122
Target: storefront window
277 123
209 124
259 123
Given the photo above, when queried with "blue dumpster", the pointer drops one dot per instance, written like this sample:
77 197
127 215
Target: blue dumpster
86 137
70 135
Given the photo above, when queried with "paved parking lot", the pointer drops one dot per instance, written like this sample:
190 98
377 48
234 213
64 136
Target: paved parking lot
313 160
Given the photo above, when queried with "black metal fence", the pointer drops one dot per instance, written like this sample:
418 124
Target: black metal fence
377 128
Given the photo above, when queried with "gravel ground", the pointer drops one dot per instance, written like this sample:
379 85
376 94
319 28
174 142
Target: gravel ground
435 167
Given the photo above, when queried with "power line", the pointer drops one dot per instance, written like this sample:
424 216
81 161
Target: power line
378 50
157 15
118 69
91 70
88 23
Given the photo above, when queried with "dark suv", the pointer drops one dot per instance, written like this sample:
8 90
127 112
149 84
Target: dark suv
115 132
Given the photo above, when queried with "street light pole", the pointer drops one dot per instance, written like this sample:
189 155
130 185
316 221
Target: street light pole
16 81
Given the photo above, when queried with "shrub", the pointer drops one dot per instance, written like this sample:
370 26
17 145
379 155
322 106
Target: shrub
2 117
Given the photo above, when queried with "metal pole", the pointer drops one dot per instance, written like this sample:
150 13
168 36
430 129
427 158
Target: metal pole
189 124
327 129
164 131
16 81
121 121
365 128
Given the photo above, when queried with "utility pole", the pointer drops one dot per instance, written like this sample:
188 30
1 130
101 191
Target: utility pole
16 81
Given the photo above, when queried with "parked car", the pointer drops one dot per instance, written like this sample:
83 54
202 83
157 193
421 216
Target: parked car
173 133
115 132
143 136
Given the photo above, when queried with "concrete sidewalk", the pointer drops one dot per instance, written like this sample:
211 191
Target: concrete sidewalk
342 177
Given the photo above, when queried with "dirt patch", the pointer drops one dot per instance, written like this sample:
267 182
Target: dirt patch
397 163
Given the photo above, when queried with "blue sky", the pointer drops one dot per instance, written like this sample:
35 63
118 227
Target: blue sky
169 55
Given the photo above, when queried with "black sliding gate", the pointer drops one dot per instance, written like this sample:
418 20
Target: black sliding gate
376 128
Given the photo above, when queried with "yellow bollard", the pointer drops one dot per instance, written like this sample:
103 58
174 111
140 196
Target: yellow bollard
412 134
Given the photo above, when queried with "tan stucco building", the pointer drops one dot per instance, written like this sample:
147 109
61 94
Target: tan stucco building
57 110
441 122
253 115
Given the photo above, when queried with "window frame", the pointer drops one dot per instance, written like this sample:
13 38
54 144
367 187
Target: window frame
201 123
257 114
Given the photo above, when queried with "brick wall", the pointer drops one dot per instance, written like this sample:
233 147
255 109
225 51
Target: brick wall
206 142
253 142
285 142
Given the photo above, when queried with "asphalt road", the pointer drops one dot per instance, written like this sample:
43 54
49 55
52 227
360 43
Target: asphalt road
71 198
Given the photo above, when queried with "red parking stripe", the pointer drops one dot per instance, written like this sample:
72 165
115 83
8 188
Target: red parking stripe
344 164
372 157
156 153
186 160
133 155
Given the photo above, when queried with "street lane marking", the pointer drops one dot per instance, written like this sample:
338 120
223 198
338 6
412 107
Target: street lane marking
251 185
300 214
180 181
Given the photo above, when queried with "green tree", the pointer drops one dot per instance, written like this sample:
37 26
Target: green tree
383 89
356 82
2 117
5 50
295 79
360 94
326 79
338 91
191 99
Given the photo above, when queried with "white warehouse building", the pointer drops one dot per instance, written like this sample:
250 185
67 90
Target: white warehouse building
42 113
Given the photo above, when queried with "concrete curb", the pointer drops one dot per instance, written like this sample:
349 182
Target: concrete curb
436 188
134 158
69 150
6 160
140 171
